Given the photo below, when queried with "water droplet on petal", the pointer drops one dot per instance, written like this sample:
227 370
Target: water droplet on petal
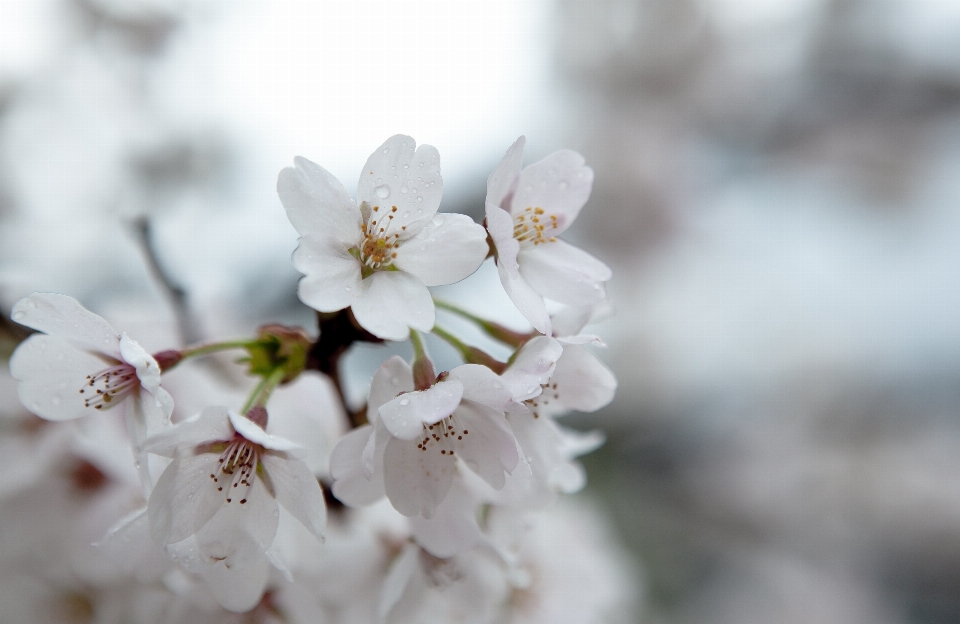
379 180
419 210
438 220
382 191
386 150
406 166
31 304
19 315
419 199
404 189
347 288
404 401
406 214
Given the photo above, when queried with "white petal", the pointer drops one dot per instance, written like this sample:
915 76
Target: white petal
532 367
350 485
391 302
453 529
184 499
489 448
238 589
528 302
482 385
395 585
448 249
500 227
331 275
41 356
180 440
583 382
405 415
560 184
52 372
64 317
239 534
395 175
564 273
393 377
297 490
503 180
316 202
571 320
416 481
252 431
148 371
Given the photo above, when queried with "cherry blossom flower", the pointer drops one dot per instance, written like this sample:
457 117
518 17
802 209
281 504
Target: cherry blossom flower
224 484
410 451
526 211
380 256
80 364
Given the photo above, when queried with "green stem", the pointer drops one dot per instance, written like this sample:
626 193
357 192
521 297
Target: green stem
494 330
263 390
470 355
213 347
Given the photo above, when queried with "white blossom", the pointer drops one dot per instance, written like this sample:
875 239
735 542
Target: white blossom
223 486
378 257
526 211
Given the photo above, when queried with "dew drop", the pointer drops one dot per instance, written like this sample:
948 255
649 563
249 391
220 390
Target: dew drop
419 199
406 214
382 191
189 496
379 180
438 220
393 167
56 400
386 150
419 210
347 288
406 166
419 178
17 316
31 304
404 189
404 401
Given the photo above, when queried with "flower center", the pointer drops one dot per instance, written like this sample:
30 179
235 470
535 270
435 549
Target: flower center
379 245
109 385
549 393
235 468
533 226
442 436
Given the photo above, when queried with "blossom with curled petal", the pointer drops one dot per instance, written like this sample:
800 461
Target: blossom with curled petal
223 486
527 209
379 257
413 447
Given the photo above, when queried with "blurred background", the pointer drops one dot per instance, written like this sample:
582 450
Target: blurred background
777 191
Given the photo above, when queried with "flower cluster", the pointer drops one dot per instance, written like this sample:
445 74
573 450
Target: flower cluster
431 487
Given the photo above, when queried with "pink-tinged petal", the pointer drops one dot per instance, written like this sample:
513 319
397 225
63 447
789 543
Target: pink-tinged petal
239 533
500 227
489 448
316 202
182 439
564 273
393 377
584 383
503 181
237 589
184 499
560 184
297 489
252 431
148 371
405 416
448 249
528 302
64 317
331 275
396 175
416 481
350 485
482 385
391 302
453 529
532 367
